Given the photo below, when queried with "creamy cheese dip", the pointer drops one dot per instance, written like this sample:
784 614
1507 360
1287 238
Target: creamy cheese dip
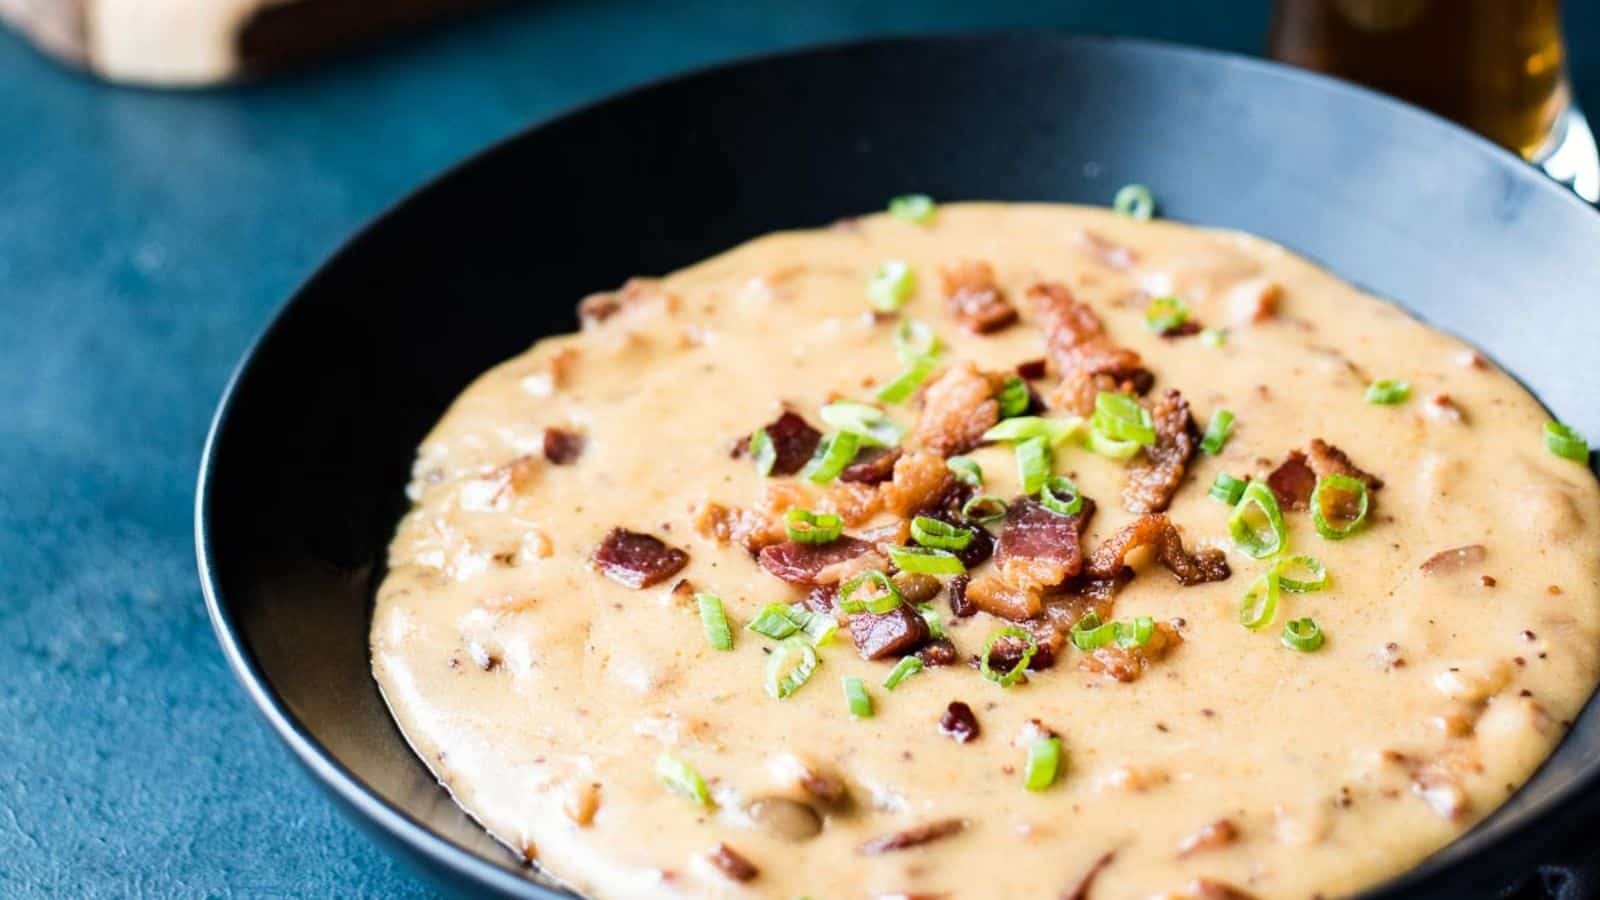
542 692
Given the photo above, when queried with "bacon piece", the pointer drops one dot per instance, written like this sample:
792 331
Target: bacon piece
638 560
1128 663
562 447
1454 559
938 653
823 598
793 442
958 407
959 723
1080 891
854 502
912 837
1032 370
997 597
1327 459
1211 889
1048 639
974 300
1157 532
597 308
1088 360
1050 544
732 864
960 606
894 633
727 524
1220 833
920 480
1293 481
1153 481
1253 300
801 564
872 466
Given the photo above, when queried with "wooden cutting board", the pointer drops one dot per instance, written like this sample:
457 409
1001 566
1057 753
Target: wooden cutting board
193 43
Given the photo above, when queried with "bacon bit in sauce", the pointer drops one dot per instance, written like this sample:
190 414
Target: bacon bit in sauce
938 653
1032 370
725 524
872 466
1050 543
994 595
1048 639
515 477
637 560
1183 329
1153 480
793 442
1112 254
895 633
920 480
732 864
1254 300
597 308
1487 580
959 723
915 836
1293 481
1209 889
804 564
1080 891
1442 406
1327 459
958 407
1454 559
1157 532
1220 833
1441 791
563 447
1127 664
974 300
960 606
823 598
1089 362
854 502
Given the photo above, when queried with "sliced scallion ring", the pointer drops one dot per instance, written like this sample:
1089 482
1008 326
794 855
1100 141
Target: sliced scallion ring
914 208
906 383
1089 633
855 694
984 508
1227 488
1014 397
1060 496
926 561
1315 581
1015 673
1218 432
905 668
939 534
891 285
714 619
1304 635
790 667
1165 313
774 622
1254 541
1033 464
807 527
680 777
1022 428
883 600
1120 417
1565 442
914 340
1260 602
835 452
1104 445
930 617
1387 392
871 424
1339 528
1044 760
820 627
966 470
1135 201
1137 634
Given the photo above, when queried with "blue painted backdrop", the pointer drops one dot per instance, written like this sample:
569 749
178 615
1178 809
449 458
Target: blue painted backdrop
144 239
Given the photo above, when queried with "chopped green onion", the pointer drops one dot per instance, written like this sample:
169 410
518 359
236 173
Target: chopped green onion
931 617
715 620
1303 635
1044 758
868 422
1260 603
1387 392
914 208
1022 428
1089 633
763 452
807 527
1316 581
1060 496
1033 464
966 470
939 534
905 668
891 285
1564 442
790 667
926 561
855 694
885 599
833 454
1214 337
1340 484
1015 673
984 508
1014 397
1227 488
1109 447
1120 417
906 383
1249 538
681 778
1165 313
1136 635
817 626
774 622
914 340
1135 201
1218 432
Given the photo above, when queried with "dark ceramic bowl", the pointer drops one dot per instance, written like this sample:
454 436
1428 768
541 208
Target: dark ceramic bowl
302 481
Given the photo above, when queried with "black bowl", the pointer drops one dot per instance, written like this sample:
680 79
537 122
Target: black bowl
302 480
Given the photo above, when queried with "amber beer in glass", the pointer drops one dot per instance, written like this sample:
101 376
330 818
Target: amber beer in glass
1495 66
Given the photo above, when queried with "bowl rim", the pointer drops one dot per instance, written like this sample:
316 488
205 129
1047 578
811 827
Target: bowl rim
446 854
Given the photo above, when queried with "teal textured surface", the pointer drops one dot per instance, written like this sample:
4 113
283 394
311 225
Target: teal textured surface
145 239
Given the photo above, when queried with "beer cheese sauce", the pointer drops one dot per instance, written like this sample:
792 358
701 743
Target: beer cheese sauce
539 640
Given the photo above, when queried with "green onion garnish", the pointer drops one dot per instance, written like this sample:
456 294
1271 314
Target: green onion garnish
817 626
1564 442
1014 397
1303 635
1022 428
966 470
864 420
1033 464
926 560
891 285
905 668
1260 603
883 600
807 527
1120 417
1387 392
1250 539
1089 633
984 508
906 383
1012 676
1165 313
855 694
939 534
1138 634
1044 758
1316 581
931 617
914 208
835 452
1213 337
914 340
790 667
1109 447
715 620
1343 484
1218 432
774 622
1227 488
1060 496
681 778
762 452
1135 201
